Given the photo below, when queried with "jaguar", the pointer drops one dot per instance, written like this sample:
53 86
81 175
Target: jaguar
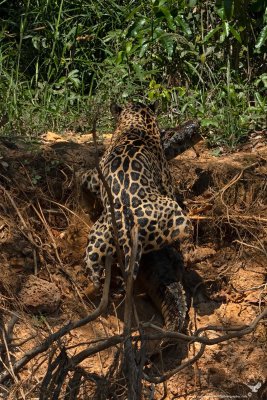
136 170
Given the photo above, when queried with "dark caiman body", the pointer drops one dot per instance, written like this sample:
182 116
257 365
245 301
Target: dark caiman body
177 140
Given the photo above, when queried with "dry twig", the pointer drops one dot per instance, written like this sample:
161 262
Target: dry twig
134 380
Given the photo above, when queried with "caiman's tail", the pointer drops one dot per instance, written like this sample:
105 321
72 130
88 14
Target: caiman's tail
160 274
173 306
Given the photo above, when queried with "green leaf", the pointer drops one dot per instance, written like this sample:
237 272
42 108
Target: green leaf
260 99
262 38
235 34
151 95
36 42
222 37
73 73
194 69
76 82
220 12
181 22
140 23
202 58
216 152
152 84
226 28
228 8
157 33
166 94
209 50
119 57
169 18
128 47
167 42
133 12
143 49
61 80
212 33
209 122
181 90
262 79
161 2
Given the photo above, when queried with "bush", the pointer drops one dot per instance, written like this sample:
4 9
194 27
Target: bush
200 59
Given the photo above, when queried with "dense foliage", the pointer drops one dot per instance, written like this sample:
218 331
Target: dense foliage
63 60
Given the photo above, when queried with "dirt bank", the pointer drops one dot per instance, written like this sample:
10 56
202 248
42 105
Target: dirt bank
43 230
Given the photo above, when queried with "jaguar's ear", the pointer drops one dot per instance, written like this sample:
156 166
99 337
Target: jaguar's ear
154 106
115 110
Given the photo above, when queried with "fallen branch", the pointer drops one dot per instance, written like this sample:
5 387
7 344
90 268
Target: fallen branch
129 359
231 216
237 332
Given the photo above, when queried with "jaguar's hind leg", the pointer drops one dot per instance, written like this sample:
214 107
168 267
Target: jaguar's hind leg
100 244
90 181
163 224
179 224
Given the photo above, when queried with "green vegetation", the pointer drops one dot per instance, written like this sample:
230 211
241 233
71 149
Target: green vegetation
63 60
